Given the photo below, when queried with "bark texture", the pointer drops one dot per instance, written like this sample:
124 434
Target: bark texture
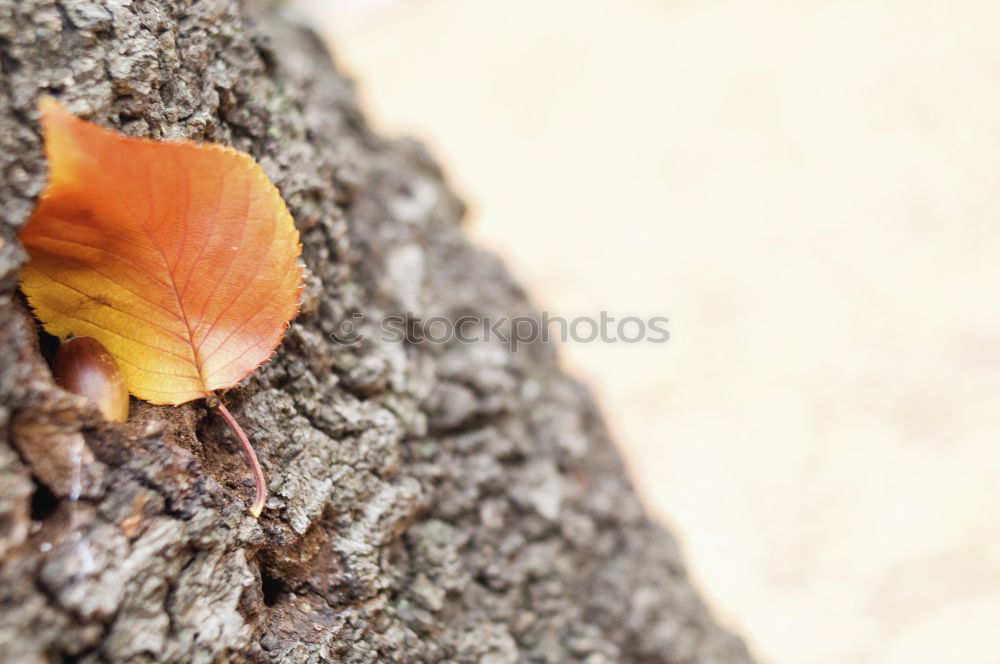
428 502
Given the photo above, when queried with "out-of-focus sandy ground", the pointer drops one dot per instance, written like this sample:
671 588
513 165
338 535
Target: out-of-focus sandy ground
809 190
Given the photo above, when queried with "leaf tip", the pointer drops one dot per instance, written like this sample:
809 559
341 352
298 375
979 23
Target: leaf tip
52 111
48 103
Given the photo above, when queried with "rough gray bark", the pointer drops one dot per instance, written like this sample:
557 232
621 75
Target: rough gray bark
428 502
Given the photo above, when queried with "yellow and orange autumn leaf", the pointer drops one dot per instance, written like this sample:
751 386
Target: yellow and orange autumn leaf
180 258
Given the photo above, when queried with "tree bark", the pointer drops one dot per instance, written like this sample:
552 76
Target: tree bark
429 502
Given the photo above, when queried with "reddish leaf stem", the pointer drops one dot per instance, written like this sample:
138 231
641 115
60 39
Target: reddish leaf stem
251 457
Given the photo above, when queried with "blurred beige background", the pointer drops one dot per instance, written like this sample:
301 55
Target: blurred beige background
809 191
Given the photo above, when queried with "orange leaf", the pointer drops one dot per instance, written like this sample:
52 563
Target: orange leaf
180 258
